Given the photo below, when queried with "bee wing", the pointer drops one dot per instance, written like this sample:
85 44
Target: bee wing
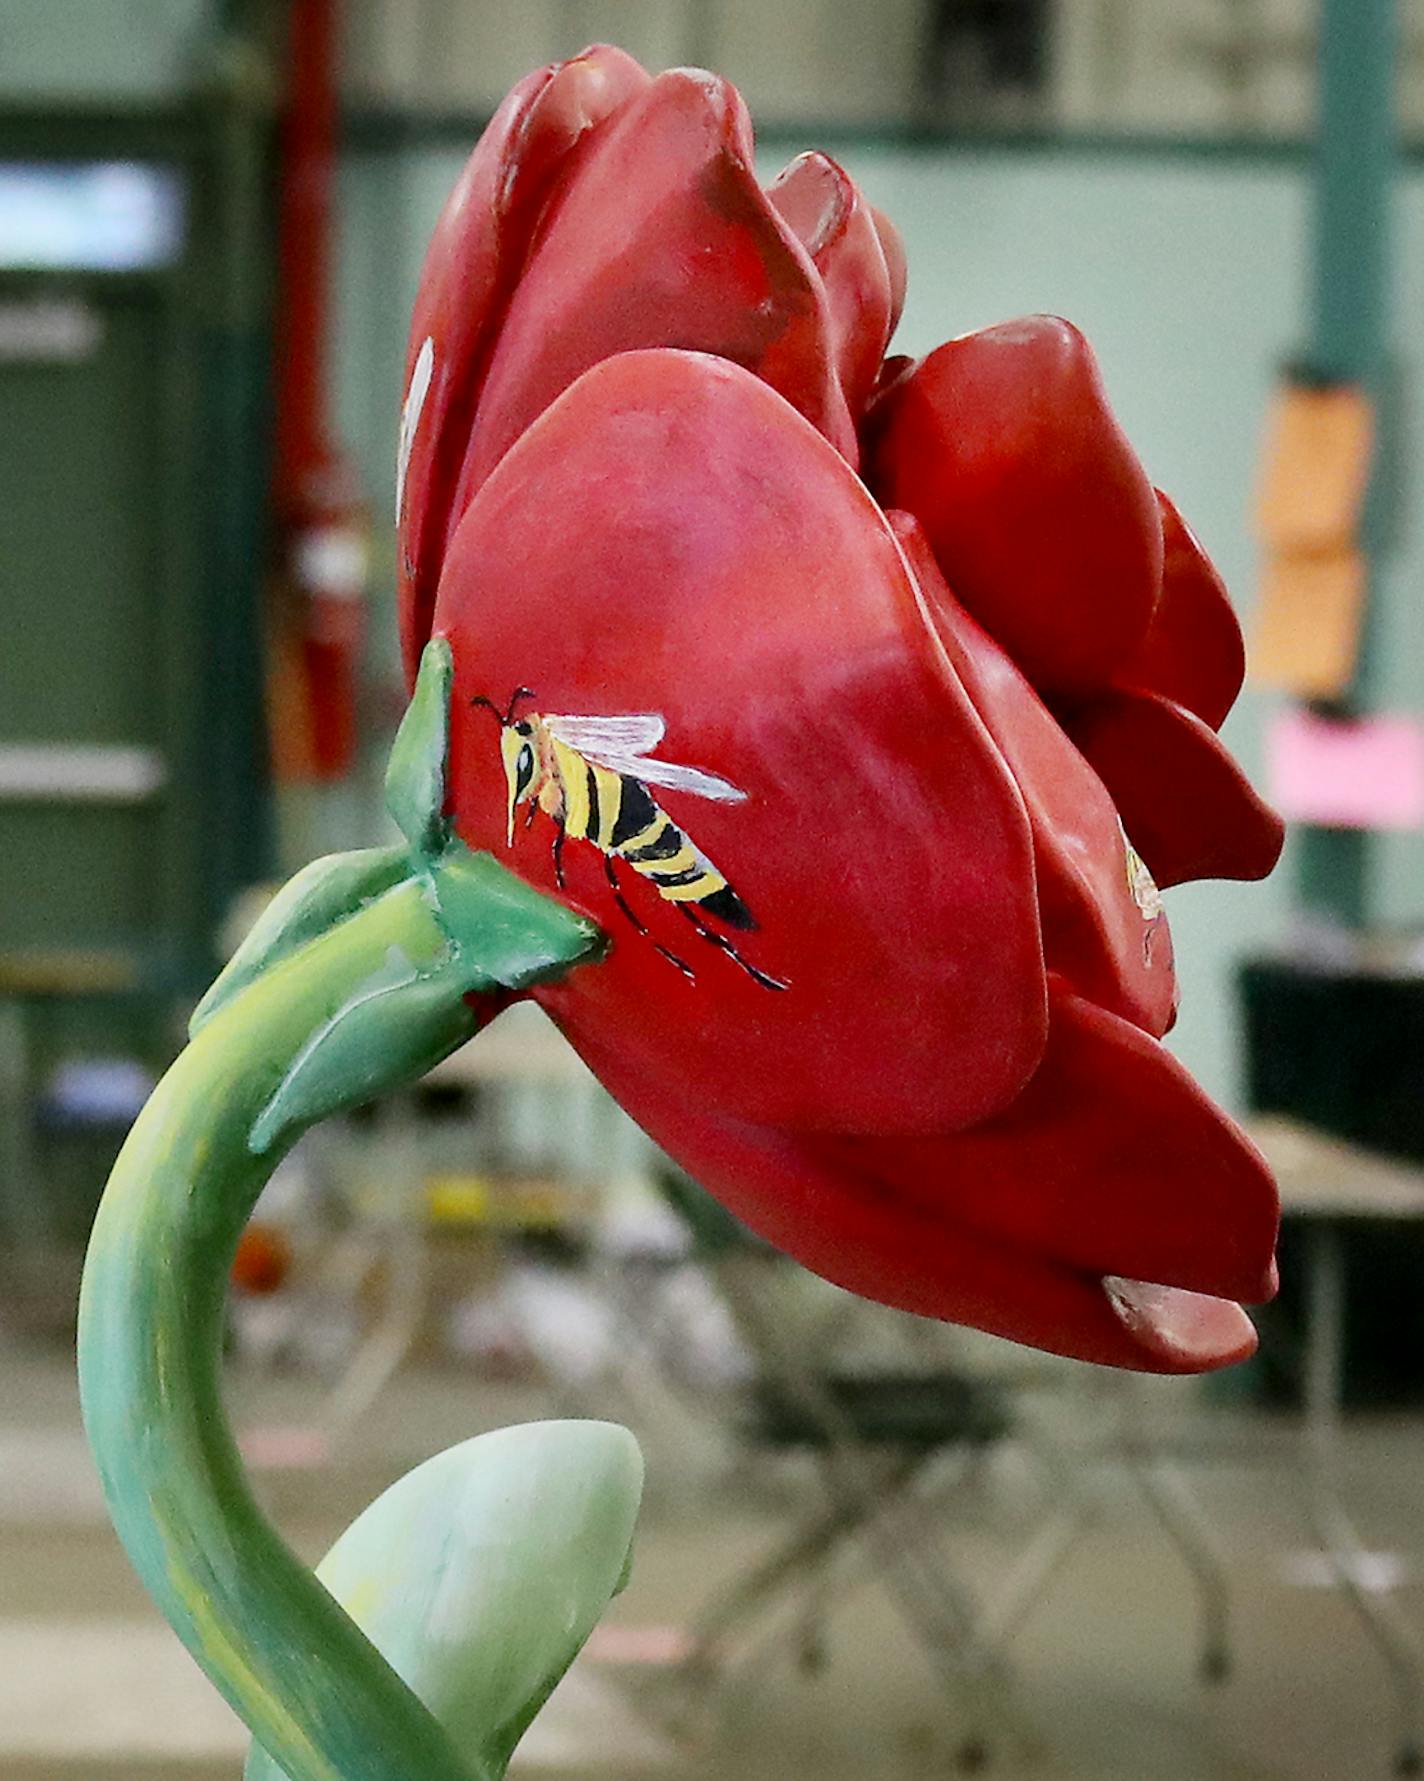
623 745
677 778
636 734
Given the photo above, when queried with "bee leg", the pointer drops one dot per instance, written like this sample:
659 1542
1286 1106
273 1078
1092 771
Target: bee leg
725 945
560 836
627 909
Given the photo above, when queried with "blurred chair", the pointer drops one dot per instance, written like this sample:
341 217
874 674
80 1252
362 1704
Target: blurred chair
874 1434
892 1444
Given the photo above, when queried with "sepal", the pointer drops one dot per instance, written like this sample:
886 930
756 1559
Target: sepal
415 773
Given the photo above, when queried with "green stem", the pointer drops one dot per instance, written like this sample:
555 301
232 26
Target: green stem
369 1002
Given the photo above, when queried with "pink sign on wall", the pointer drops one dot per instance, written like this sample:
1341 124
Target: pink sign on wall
1366 773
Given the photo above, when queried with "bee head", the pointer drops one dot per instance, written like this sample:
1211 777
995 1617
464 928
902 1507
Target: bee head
519 750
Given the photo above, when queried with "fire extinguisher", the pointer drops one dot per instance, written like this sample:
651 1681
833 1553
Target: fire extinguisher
321 523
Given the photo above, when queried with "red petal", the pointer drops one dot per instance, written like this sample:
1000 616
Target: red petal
1192 652
1112 1161
1187 807
893 247
824 209
892 371
473 260
1108 942
841 1208
672 537
1044 523
662 237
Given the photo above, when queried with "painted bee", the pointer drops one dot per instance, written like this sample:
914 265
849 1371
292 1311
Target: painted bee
591 775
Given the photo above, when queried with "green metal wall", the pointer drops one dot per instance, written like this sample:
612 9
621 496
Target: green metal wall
135 49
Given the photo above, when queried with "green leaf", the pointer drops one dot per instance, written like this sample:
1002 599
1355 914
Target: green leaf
480 1574
415 775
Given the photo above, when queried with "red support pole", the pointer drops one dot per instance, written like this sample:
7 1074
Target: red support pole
321 520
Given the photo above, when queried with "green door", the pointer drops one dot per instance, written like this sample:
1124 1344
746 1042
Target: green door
84 708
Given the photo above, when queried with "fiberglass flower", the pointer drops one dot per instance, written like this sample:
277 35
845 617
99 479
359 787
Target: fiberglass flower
865 705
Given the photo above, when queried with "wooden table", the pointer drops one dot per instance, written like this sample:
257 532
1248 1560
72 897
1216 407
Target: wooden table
1331 1184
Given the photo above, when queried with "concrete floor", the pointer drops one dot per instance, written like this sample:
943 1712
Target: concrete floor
93 1688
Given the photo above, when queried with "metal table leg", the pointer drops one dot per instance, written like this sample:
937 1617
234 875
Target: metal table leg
1395 1637
1172 1501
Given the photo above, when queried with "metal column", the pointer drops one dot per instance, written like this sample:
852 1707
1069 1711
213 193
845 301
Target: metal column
1357 157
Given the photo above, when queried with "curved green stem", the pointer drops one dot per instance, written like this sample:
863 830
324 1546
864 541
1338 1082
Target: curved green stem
375 967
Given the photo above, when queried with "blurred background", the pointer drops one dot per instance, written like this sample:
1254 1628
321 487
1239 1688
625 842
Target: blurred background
212 220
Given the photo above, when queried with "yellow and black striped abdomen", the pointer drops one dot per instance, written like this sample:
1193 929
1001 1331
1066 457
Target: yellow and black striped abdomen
654 846
622 818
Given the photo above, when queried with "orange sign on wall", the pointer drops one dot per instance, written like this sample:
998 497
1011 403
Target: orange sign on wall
1314 476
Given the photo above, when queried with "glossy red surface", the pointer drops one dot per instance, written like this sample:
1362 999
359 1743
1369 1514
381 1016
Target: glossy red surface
1038 1226
1095 934
908 752
847 243
672 536
1193 651
1188 807
660 235
472 265
1043 521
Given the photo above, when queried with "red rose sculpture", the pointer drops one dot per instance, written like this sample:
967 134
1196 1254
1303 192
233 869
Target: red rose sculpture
865 706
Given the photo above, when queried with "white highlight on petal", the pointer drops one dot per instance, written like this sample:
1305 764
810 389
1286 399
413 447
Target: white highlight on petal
410 417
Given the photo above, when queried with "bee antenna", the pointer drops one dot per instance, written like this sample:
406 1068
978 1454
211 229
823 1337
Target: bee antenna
506 716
